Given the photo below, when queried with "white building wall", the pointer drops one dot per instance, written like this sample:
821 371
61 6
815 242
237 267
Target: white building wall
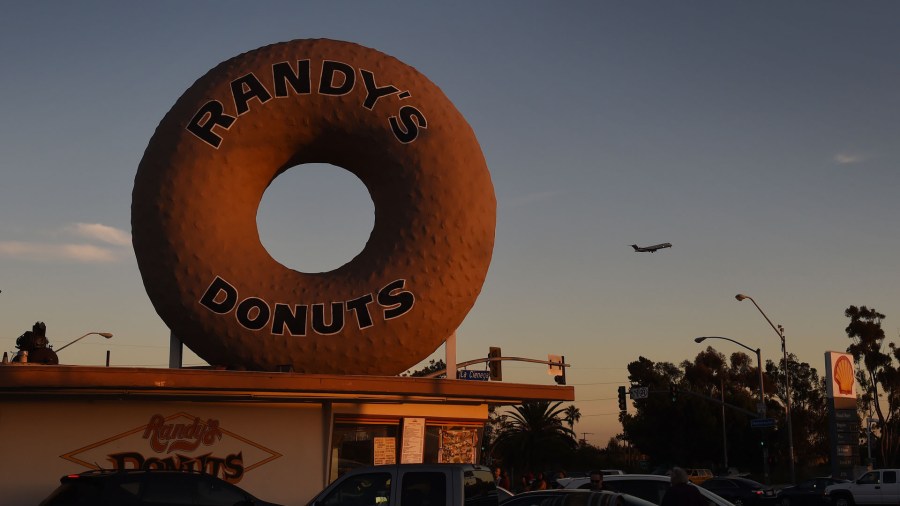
281 446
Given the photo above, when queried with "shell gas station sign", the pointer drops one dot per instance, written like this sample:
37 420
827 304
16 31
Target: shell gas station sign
843 420
840 376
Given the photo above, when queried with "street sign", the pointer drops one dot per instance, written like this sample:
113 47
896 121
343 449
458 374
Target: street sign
466 374
639 393
554 368
761 423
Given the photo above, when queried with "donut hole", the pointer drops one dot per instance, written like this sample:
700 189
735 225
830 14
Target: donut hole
315 217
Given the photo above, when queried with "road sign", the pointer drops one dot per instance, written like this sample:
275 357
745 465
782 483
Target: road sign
466 374
639 393
761 423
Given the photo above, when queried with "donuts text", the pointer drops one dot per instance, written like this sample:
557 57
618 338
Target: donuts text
336 79
254 313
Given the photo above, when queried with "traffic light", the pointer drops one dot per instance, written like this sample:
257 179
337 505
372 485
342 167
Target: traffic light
494 365
561 379
674 391
622 405
556 367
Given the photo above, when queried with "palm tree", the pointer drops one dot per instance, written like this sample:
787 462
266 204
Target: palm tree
533 437
573 415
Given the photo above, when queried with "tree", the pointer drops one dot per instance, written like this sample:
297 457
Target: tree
659 426
572 415
433 366
880 377
532 436
689 430
809 420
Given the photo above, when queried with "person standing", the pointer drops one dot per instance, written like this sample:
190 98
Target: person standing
501 478
597 481
682 492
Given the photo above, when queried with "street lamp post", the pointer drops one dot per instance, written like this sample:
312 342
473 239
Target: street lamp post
787 381
104 334
762 399
724 431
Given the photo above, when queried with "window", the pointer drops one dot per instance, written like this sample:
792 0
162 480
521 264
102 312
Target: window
353 444
211 492
124 493
479 488
890 476
424 489
651 490
170 488
868 479
368 489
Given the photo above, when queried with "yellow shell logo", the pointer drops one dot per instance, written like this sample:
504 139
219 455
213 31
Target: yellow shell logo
843 375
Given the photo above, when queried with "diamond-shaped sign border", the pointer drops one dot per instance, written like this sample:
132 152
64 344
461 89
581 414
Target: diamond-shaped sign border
71 456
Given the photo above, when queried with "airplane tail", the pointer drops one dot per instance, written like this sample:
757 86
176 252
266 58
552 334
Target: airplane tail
635 247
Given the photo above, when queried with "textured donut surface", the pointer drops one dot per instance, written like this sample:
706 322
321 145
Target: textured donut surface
203 175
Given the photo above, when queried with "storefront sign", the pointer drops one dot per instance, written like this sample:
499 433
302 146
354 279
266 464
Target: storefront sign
179 442
413 441
458 446
385 451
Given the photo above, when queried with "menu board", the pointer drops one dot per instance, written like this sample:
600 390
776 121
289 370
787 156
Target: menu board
458 446
385 451
413 441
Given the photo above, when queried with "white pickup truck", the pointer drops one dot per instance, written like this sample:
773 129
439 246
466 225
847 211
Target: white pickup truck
412 485
880 486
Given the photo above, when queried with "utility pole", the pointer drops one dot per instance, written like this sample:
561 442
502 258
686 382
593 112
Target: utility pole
584 438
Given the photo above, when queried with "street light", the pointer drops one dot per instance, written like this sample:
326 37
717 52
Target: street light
787 380
762 400
724 429
104 334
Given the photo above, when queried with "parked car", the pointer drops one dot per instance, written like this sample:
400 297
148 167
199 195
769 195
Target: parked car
698 476
412 485
574 497
807 493
651 487
879 486
146 487
741 491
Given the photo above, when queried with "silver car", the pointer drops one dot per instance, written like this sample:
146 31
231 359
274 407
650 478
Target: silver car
651 487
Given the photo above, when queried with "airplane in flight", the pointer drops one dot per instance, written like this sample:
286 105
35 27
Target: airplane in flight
653 248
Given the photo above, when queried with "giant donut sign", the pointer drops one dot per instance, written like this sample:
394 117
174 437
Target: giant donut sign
203 175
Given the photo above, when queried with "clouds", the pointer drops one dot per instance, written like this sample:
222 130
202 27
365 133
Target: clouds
102 233
849 158
116 246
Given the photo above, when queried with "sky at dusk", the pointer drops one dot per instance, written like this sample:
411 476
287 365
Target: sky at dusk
759 138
